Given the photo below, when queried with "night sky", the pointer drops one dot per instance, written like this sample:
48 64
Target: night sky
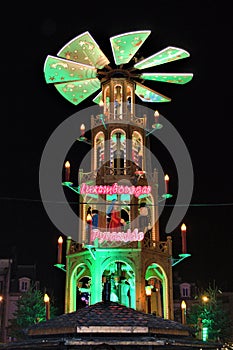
201 111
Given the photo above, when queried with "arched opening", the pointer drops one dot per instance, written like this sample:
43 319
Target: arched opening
120 278
157 299
137 150
99 155
118 152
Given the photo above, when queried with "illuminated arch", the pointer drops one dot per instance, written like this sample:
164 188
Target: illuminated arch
75 276
99 154
137 149
156 271
121 272
118 151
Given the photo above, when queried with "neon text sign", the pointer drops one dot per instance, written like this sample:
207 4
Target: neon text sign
115 189
128 236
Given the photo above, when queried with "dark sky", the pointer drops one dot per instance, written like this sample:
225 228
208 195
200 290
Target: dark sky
201 111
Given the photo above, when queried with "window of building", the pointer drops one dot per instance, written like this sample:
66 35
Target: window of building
185 290
24 284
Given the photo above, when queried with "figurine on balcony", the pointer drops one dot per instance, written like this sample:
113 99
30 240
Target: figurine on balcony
116 222
143 217
95 218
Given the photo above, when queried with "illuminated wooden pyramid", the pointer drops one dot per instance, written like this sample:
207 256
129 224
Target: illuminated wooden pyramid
119 255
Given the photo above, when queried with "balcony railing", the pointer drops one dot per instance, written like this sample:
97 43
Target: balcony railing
123 118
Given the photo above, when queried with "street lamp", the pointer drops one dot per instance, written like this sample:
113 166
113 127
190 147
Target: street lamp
148 297
183 312
205 299
47 307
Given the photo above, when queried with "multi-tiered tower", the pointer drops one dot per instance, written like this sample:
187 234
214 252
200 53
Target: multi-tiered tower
119 256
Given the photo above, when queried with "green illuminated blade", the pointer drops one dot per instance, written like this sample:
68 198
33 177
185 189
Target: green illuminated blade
125 46
98 98
148 95
176 78
77 91
168 54
84 49
59 70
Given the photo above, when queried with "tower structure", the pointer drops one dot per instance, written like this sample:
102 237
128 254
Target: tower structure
119 255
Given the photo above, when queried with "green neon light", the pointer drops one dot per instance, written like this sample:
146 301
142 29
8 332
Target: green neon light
125 46
122 138
168 54
204 333
175 78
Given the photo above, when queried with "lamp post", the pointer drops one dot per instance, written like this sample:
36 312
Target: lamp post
205 299
204 330
148 297
183 312
47 307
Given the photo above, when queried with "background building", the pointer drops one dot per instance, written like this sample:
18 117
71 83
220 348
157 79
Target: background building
14 280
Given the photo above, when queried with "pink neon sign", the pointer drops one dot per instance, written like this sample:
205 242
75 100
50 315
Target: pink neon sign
115 189
128 236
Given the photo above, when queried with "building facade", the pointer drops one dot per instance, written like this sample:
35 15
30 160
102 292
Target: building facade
14 280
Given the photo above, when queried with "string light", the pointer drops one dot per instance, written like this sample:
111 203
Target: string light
163 205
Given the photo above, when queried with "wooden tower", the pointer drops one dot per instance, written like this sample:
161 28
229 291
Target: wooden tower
125 259
119 255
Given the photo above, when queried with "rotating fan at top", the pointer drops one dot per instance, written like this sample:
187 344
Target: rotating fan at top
81 66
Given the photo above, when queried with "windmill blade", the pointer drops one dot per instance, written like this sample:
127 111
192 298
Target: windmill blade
77 91
175 78
84 49
148 95
98 98
124 46
169 54
57 70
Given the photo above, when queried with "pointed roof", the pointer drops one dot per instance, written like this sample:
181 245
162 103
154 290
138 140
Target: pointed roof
108 317
109 325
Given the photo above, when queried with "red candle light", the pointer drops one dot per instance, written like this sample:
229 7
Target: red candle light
183 236
166 179
82 130
59 254
156 115
47 307
67 171
89 223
